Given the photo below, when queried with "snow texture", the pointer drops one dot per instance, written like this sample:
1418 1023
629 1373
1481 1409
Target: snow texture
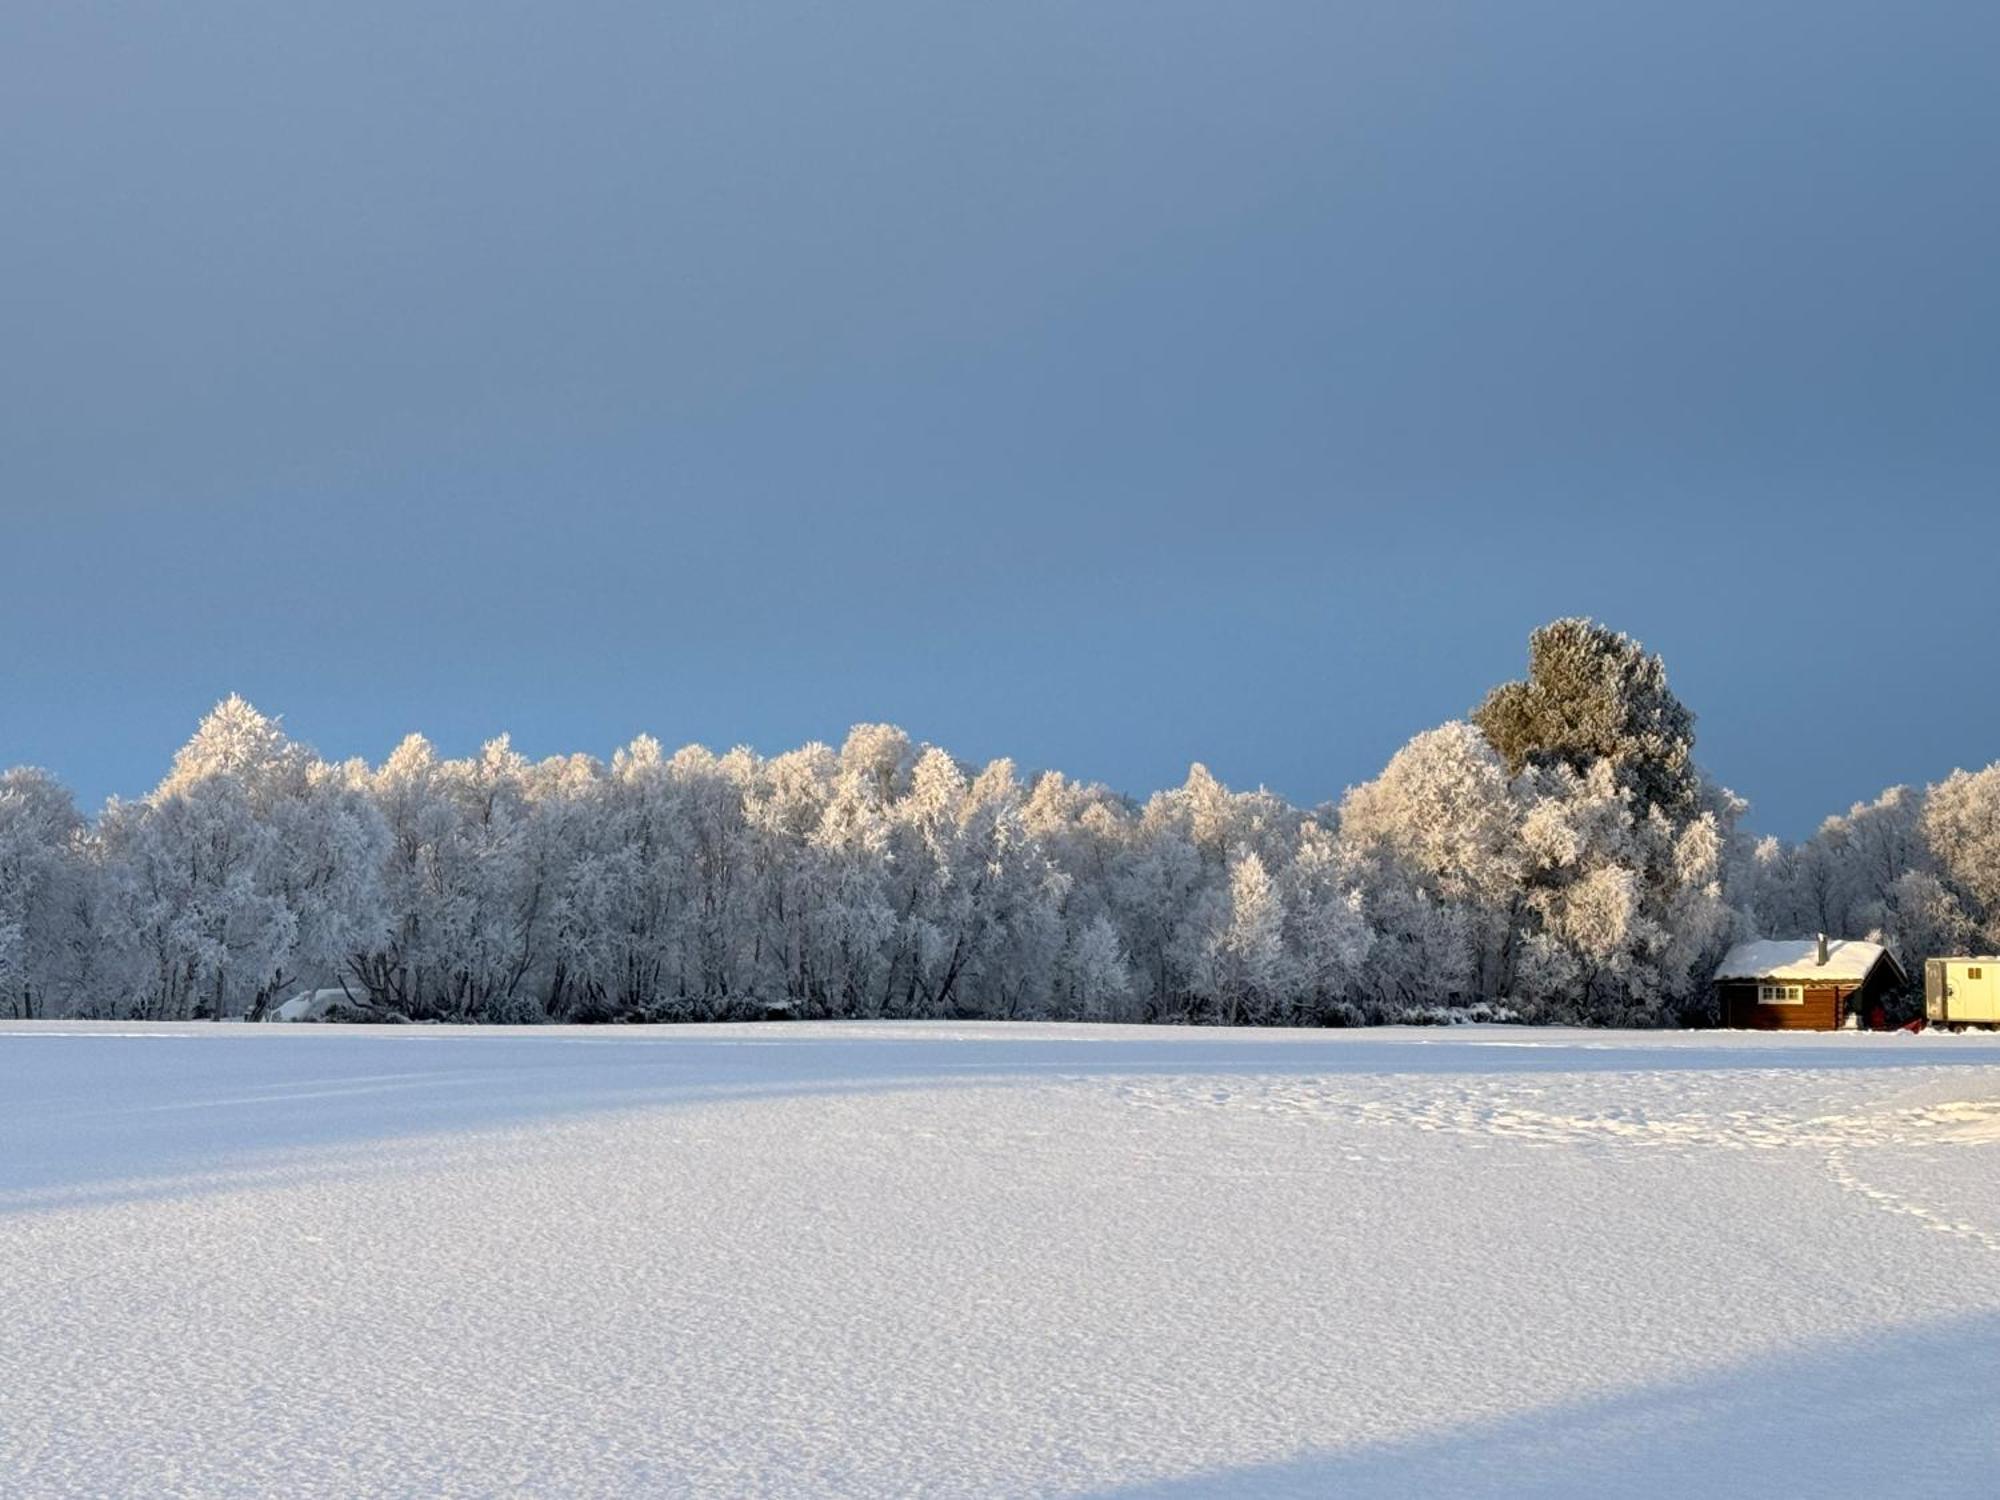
1847 962
897 1259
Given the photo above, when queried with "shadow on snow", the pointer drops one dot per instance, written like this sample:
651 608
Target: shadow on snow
1861 1418
115 1113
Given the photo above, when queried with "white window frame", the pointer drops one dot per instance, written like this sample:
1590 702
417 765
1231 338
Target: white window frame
1780 994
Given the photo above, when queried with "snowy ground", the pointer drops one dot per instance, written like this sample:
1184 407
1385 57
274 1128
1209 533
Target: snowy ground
982 1260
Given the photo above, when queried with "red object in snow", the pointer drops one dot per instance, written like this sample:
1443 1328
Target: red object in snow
1915 1026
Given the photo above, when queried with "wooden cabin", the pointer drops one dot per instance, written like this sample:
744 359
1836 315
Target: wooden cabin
1804 984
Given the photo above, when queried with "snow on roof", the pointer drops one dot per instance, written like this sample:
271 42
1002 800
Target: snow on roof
1798 958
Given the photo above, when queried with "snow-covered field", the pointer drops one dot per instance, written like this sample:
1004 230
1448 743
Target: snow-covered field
983 1260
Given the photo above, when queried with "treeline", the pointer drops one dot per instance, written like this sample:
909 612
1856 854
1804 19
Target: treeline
1558 857
1916 869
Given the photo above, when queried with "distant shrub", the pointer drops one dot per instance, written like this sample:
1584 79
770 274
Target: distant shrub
361 1015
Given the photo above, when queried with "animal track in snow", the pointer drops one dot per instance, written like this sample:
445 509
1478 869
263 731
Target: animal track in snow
1589 1112
1584 1110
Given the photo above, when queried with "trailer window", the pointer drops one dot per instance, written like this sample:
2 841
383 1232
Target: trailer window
1781 994
1974 973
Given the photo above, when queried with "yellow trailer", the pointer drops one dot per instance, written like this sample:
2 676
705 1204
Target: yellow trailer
1962 991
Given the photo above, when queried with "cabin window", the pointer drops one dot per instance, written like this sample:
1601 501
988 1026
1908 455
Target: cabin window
1974 973
1781 994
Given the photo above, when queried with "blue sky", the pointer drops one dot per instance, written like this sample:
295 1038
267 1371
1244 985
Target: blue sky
1107 385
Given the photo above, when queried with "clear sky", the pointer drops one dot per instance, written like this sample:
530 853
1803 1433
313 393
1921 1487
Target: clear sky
1108 385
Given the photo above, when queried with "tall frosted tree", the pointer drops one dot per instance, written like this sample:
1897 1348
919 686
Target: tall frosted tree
203 869
1593 695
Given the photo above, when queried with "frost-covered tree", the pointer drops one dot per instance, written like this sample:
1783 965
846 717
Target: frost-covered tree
1840 880
463 898
630 963
1627 910
564 920
1246 971
1163 892
1446 815
1594 695
1169 889
43 902
203 870
1961 825
420 822
332 844
852 920
708 857
1591 934
1696 911
1774 887
1328 935
1093 978
1013 952
977 902
1422 953
785 802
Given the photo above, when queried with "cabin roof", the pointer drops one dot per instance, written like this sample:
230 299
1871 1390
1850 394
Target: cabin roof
1797 959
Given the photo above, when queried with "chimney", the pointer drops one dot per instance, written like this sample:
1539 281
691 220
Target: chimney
1822 950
